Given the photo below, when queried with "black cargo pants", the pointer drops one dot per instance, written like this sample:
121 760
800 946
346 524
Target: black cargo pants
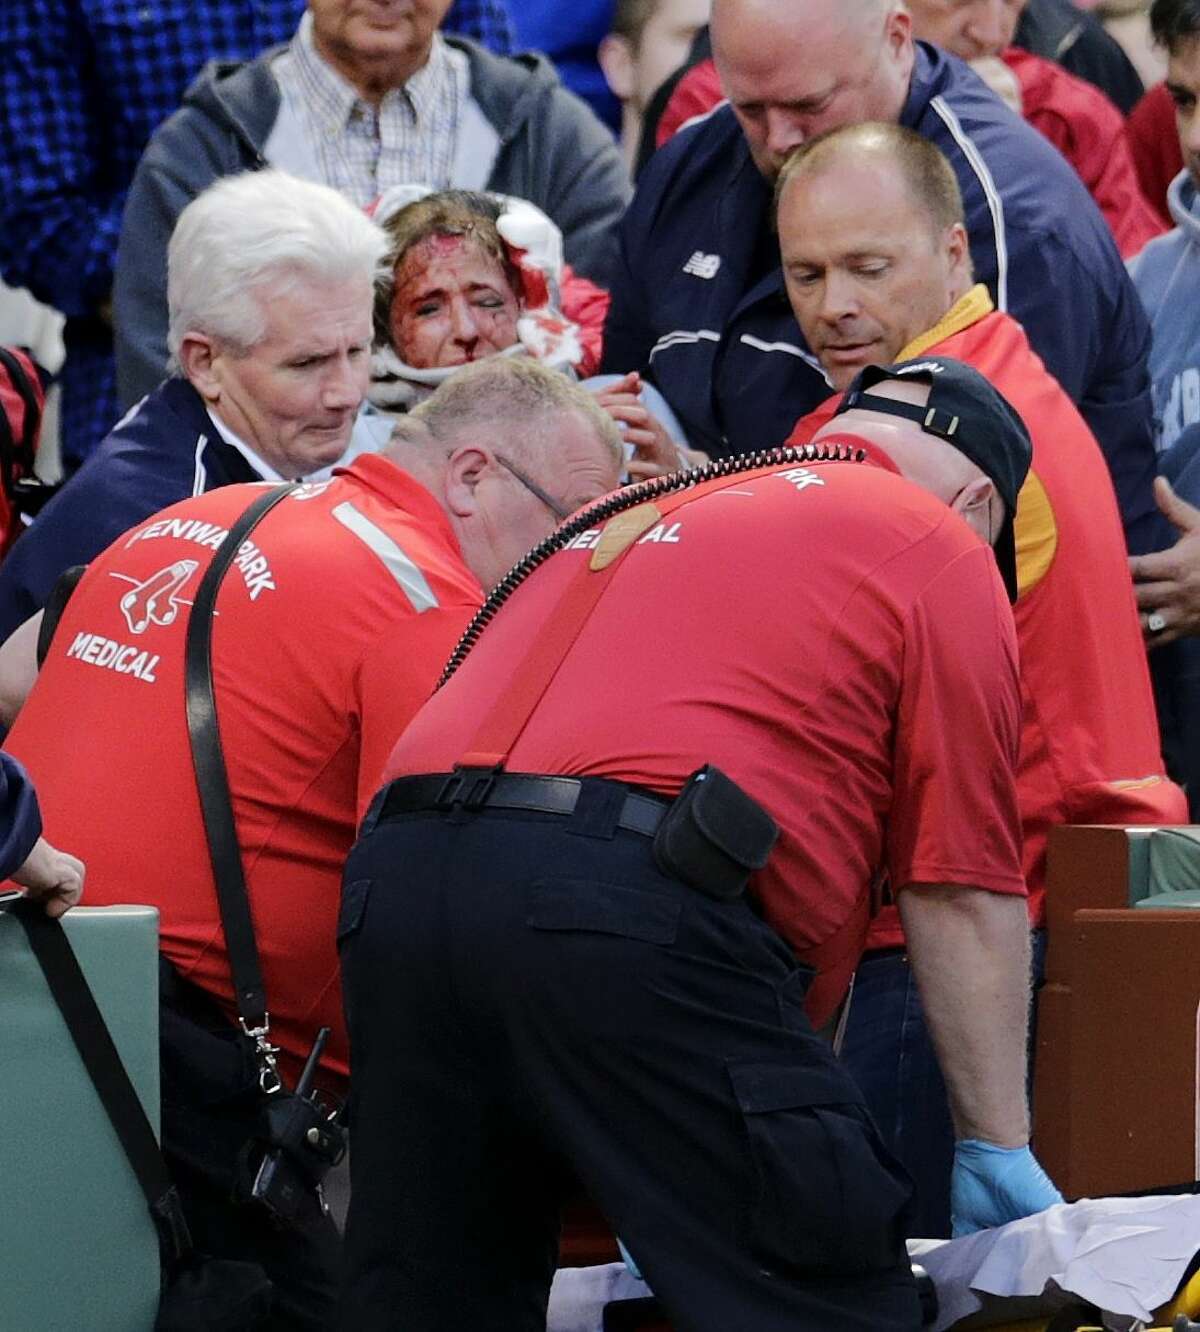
527 994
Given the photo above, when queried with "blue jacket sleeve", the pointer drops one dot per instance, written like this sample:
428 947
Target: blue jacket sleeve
59 214
20 818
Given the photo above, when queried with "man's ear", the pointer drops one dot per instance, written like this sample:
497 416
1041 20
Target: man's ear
980 507
197 354
615 56
899 33
465 469
958 251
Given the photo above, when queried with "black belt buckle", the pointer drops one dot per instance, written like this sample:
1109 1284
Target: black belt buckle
477 783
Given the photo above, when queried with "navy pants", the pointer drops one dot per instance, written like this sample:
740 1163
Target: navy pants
529 996
889 1053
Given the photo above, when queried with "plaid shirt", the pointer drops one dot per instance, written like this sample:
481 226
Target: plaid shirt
363 150
82 87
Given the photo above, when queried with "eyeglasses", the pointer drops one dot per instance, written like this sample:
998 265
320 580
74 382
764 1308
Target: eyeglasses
558 510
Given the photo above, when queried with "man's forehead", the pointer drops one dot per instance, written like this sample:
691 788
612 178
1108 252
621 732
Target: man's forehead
872 205
349 316
779 51
1183 64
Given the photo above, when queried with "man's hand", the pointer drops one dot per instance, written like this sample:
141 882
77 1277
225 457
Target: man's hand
1167 583
991 1186
51 877
655 453
970 954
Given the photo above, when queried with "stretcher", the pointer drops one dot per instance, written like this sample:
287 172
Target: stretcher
1178 1316
1182 1314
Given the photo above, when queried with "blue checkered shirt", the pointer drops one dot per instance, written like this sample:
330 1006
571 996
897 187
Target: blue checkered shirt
82 87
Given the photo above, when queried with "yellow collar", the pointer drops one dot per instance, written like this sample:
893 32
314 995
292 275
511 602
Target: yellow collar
965 311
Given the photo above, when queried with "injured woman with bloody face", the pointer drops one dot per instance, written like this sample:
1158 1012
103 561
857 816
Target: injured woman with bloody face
472 275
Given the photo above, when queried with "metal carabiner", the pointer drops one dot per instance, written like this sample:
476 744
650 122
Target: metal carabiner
268 1074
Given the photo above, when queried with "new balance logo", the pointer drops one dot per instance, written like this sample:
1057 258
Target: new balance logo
703 265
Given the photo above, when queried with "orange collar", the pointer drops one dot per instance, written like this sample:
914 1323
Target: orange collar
965 311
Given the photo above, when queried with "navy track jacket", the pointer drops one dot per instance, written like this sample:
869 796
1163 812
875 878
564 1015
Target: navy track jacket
729 356
165 449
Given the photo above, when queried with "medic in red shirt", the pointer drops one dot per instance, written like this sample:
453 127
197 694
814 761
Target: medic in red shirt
665 767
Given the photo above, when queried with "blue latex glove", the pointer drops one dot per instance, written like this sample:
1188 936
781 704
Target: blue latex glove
628 1261
992 1185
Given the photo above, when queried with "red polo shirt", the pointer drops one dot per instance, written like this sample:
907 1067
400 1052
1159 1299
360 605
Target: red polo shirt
831 636
1089 735
332 626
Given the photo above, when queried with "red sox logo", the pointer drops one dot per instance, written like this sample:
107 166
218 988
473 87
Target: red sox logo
154 600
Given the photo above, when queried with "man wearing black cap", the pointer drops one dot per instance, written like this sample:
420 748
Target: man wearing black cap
559 947
878 270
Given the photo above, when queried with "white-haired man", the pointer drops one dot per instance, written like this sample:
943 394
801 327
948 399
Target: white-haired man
699 303
270 288
330 634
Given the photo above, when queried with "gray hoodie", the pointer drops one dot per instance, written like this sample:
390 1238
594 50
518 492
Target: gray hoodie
1167 276
547 147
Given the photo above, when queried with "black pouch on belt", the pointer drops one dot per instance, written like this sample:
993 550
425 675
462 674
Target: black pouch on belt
714 835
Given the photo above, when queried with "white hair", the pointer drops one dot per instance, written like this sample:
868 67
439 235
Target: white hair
261 229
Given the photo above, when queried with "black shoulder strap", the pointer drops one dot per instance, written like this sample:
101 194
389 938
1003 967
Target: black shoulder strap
212 778
90 1033
52 612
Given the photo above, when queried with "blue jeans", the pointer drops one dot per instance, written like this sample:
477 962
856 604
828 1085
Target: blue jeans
890 1055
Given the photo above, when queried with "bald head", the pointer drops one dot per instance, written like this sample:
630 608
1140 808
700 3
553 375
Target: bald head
872 243
508 448
919 165
929 462
793 69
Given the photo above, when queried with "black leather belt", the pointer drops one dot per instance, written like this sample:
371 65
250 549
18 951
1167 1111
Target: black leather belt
481 788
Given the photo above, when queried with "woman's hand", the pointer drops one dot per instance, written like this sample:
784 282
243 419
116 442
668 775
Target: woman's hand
655 453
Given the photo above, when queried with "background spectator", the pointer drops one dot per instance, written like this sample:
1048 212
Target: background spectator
82 88
1167 272
649 41
1127 23
1072 113
270 283
569 35
362 107
1062 31
698 302
1077 118
1154 143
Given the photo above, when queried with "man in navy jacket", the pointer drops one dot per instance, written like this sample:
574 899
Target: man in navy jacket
698 301
270 293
